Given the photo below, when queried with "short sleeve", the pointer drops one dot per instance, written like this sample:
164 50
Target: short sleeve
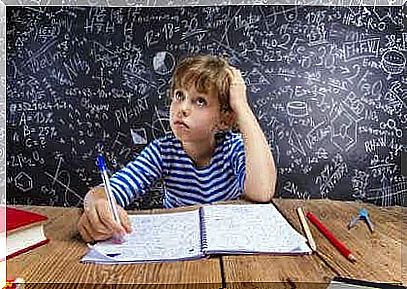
138 176
238 159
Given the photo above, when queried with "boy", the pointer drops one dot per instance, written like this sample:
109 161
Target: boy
196 165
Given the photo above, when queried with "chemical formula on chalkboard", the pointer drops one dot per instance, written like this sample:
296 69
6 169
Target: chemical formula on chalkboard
328 85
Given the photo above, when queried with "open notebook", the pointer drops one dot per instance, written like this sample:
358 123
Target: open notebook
212 229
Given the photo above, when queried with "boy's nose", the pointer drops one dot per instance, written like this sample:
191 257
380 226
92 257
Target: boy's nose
185 108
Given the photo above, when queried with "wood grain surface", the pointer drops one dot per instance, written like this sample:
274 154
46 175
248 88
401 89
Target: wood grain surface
379 255
57 264
276 271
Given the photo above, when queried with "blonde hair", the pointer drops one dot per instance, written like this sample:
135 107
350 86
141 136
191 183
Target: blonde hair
207 73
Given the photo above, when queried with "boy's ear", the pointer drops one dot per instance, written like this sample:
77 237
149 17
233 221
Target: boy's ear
228 119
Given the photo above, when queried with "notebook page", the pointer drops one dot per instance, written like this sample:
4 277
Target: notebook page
253 228
155 237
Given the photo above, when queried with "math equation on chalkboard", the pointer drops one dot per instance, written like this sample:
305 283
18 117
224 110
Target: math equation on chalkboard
327 84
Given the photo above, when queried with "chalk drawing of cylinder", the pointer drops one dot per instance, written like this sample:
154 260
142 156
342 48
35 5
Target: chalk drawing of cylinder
393 62
297 108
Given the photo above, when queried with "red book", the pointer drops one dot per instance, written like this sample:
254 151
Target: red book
24 230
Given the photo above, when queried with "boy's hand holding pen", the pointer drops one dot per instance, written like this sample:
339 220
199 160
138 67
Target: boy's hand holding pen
103 218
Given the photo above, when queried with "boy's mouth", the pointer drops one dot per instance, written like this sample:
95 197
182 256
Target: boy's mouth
180 124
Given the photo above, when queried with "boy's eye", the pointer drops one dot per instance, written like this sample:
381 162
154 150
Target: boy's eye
178 95
201 101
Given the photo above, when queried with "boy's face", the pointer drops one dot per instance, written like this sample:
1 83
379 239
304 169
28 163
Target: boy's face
194 116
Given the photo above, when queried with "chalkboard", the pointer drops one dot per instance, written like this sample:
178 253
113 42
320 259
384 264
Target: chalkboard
327 84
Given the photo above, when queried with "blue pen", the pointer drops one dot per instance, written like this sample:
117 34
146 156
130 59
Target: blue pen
117 238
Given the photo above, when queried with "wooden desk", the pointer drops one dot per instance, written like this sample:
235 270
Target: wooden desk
379 254
57 264
270 271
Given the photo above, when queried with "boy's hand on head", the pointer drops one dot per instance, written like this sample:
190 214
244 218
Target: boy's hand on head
237 99
97 223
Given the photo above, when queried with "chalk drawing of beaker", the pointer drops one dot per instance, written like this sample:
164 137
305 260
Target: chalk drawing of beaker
393 62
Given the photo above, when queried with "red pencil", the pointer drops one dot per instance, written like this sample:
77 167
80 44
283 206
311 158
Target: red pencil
328 234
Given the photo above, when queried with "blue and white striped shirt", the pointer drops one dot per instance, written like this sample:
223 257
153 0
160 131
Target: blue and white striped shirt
184 183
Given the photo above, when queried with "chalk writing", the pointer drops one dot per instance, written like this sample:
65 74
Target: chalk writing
327 84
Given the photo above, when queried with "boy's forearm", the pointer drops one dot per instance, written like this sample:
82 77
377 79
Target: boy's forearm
260 168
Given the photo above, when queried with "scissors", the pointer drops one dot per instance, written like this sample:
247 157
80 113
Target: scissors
363 215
